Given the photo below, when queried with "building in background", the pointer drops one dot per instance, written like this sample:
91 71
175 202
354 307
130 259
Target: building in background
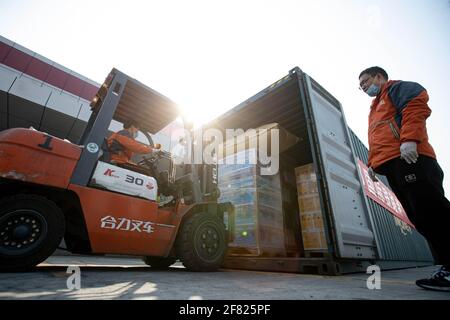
38 92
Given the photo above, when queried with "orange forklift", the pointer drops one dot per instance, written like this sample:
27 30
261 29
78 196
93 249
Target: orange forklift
51 189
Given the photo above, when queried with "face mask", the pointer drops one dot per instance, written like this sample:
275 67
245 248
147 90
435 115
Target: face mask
373 90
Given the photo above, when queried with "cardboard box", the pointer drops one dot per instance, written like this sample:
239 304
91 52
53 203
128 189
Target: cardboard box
250 139
305 173
311 218
307 187
309 203
318 220
314 240
311 221
307 222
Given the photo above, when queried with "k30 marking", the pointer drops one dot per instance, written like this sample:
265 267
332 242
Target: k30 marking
133 180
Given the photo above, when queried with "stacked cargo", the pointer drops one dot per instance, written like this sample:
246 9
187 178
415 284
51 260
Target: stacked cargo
311 217
258 218
359 231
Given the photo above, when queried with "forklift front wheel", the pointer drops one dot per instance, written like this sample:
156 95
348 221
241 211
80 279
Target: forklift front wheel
31 228
201 243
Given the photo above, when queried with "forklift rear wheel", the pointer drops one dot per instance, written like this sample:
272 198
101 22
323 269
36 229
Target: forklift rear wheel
201 243
159 263
31 228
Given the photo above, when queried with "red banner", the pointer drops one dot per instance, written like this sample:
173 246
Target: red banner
382 194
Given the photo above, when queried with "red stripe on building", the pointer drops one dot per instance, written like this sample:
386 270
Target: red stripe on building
23 62
38 69
17 59
74 85
4 50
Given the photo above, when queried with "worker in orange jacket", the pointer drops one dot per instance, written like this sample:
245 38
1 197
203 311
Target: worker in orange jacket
399 149
122 144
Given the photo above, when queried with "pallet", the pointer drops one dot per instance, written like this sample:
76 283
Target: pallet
317 254
319 266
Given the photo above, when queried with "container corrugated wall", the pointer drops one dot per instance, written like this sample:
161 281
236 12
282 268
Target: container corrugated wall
395 243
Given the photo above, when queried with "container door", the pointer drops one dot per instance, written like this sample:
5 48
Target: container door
342 194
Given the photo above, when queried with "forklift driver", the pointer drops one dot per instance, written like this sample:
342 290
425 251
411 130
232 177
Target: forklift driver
122 145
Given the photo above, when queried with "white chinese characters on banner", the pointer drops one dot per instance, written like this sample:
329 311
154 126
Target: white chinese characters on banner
382 195
125 224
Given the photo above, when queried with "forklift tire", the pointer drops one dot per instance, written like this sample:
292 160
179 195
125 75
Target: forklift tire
159 263
31 228
201 243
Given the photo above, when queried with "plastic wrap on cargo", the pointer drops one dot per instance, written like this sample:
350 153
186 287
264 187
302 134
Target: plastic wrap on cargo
258 204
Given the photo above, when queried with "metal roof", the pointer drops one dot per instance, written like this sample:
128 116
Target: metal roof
280 103
148 107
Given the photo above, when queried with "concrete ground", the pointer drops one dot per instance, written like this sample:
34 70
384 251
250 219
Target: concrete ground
128 278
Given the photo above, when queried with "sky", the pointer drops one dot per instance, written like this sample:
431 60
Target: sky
209 56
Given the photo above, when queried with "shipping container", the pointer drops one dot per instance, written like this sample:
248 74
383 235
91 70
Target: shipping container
330 225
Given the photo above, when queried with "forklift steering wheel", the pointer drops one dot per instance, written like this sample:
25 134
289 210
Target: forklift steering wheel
148 160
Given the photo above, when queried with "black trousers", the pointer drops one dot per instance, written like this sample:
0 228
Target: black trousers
419 188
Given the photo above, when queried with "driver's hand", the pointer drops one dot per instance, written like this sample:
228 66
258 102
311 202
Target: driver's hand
157 146
156 151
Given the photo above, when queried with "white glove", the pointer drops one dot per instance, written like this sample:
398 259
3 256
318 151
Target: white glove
156 151
372 175
408 152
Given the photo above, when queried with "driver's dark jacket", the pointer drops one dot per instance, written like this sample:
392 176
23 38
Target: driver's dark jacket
122 146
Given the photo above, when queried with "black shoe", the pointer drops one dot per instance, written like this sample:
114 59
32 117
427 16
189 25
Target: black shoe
439 281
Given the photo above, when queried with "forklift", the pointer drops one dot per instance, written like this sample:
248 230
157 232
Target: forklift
53 190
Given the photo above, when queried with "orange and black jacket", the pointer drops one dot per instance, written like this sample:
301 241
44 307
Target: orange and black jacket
122 146
398 114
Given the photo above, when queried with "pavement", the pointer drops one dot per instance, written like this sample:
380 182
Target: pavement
126 278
